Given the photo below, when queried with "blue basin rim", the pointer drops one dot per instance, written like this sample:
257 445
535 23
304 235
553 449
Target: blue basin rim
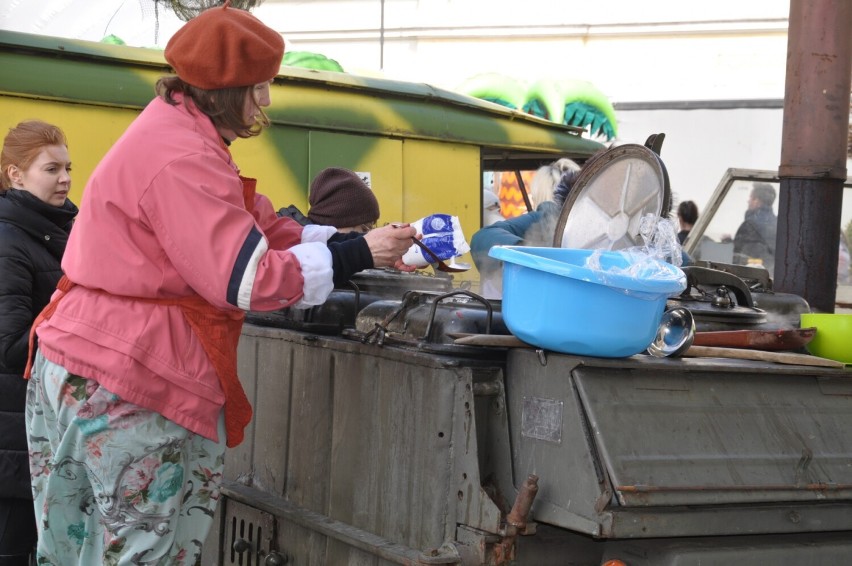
535 258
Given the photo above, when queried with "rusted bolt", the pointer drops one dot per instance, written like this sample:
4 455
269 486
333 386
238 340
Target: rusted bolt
523 503
241 545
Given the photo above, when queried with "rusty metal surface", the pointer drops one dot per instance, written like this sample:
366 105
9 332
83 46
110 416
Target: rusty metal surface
782 339
719 438
550 439
519 514
814 149
780 550
652 448
247 506
676 522
806 259
385 455
248 534
816 97
383 440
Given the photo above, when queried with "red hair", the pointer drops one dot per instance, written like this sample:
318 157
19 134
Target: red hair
23 143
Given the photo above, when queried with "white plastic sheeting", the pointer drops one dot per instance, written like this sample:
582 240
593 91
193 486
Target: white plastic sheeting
137 22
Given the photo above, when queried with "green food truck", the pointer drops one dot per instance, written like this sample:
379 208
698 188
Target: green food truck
425 150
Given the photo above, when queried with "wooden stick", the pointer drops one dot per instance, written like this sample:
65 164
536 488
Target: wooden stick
760 355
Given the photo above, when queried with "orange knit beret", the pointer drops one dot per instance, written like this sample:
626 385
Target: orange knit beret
225 47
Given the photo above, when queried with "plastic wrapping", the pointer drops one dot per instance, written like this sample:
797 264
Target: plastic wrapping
647 262
442 233
660 237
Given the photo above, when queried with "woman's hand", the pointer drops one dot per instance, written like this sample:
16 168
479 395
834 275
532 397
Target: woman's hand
389 243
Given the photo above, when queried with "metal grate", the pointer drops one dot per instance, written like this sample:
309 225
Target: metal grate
248 535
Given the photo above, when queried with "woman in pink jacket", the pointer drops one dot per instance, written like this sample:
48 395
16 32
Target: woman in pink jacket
134 392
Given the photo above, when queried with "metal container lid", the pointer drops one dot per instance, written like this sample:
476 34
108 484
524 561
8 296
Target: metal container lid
609 198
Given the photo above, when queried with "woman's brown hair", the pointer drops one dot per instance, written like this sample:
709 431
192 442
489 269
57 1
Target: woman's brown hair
224 106
22 145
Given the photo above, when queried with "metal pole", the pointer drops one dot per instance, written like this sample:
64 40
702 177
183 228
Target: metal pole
813 149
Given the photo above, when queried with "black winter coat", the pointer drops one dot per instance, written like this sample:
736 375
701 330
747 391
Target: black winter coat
755 238
33 235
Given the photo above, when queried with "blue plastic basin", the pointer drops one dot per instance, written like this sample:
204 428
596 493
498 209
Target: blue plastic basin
553 301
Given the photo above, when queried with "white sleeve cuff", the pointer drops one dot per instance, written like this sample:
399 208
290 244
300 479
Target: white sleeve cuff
315 259
317 233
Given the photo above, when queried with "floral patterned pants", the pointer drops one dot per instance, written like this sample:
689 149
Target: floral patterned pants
114 483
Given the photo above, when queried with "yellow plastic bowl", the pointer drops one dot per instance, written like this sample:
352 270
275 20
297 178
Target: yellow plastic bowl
833 338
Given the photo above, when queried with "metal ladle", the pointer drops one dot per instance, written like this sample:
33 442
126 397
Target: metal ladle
452 267
675 333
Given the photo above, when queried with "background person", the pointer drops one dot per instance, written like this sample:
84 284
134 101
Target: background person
134 392
35 219
546 178
490 208
341 199
687 216
536 228
755 238
843 260
338 197
531 229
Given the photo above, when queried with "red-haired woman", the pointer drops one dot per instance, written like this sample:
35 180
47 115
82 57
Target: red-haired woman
35 219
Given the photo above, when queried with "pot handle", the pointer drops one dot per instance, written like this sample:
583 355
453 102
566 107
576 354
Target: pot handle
465 292
696 276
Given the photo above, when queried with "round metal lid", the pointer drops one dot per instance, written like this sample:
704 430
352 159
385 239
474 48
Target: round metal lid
609 198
